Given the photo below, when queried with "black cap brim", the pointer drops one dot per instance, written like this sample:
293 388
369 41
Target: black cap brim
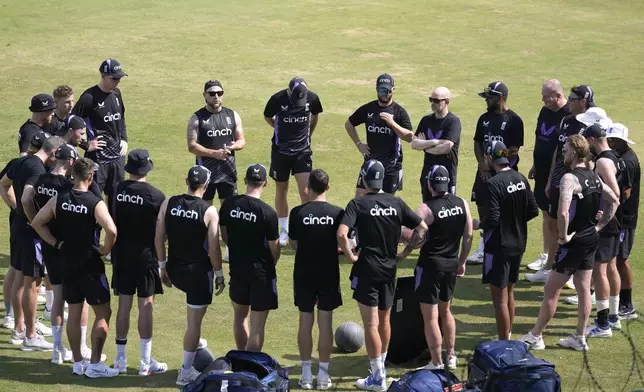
118 75
501 161
45 109
440 186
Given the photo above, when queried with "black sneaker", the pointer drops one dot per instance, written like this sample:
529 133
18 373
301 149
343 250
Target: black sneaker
627 312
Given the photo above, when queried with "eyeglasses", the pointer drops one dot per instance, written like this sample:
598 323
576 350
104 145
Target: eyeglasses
384 91
217 93
436 100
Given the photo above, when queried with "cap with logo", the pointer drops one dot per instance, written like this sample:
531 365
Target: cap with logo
42 103
66 152
495 89
256 173
619 131
298 91
373 173
385 81
198 175
595 115
213 85
595 130
438 178
39 139
112 68
583 91
498 152
75 122
139 162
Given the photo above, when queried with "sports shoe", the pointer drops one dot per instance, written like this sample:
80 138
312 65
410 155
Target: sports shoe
324 383
595 331
42 290
108 256
120 364
539 263
615 325
42 299
570 284
431 366
575 342
86 353
78 369
99 370
476 257
46 315
61 355
148 369
452 362
186 376
9 322
538 277
36 344
42 329
305 384
371 384
533 342
627 313
203 343
283 238
17 337
574 300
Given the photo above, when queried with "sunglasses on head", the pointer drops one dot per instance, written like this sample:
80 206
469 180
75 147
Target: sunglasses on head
217 93
384 91
437 100
491 91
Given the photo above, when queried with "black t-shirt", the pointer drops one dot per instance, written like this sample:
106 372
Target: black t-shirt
584 206
56 126
613 227
511 205
25 171
47 186
27 132
104 114
446 128
569 126
314 226
384 143
631 180
505 127
443 239
378 218
215 131
135 209
187 233
5 170
545 144
250 223
292 123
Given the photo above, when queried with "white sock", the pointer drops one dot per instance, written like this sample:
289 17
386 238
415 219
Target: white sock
376 367
188 359
602 304
49 296
283 223
323 370
57 331
146 350
482 242
306 370
383 357
84 336
120 351
613 305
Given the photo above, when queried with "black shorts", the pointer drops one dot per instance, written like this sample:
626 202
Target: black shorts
500 270
433 286
392 182
608 248
144 282
30 256
479 190
626 237
575 256
258 293
196 284
282 166
86 287
553 202
223 189
52 259
368 293
109 174
308 293
540 196
14 261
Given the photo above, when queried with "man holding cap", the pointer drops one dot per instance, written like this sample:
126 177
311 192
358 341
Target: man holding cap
188 222
499 123
136 207
250 229
64 98
378 217
293 115
42 109
386 123
511 205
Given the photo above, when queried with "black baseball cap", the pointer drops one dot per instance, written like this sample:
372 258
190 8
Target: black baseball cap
74 122
112 68
42 103
66 152
438 178
39 139
498 151
213 83
595 131
198 175
256 173
298 91
495 89
385 81
139 162
583 91
373 173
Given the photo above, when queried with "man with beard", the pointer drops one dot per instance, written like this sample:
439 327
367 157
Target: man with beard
64 98
42 109
74 133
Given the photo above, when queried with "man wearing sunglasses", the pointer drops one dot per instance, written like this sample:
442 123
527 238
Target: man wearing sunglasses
386 123
499 123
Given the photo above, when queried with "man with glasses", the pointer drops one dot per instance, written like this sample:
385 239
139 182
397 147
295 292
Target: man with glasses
439 135
386 123
499 124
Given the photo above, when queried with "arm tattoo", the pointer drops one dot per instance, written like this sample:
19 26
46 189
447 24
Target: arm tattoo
191 131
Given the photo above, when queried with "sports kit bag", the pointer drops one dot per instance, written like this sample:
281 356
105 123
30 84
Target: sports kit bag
423 380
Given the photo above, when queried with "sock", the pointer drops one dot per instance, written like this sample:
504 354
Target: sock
57 332
613 305
146 350
376 368
602 313
188 359
120 348
323 371
283 223
383 357
8 309
625 297
306 370
84 336
49 296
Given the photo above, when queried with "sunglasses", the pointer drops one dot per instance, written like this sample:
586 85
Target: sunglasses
217 93
437 100
384 91
491 91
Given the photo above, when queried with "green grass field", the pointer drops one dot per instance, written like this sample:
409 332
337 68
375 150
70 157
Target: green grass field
170 48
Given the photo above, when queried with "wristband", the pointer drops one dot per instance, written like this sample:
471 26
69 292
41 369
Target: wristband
358 143
219 273
58 244
163 263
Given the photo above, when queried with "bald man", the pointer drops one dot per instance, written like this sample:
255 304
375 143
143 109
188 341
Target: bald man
438 134
555 108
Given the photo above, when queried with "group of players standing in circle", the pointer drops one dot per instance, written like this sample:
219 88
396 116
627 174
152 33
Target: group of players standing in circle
57 212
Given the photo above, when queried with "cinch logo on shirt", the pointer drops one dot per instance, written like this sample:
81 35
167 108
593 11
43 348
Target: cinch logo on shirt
219 132
109 117
447 212
516 187
181 213
379 211
493 138
377 129
293 120
43 190
77 209
133 199
247 216
315 220
593 184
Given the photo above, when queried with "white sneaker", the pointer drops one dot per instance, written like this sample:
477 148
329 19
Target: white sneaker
108 256
61 355
476 257
324 383
371 384
78 369
305 384
119 364
9 322
86 353
533 342
615 325
283 238
42 290
570 284
431 366
98 370
203 343
17 337
36 344
595 331
42 299
575 342
452 362
42 329
186 376
148 369
46 315
538 277
539 263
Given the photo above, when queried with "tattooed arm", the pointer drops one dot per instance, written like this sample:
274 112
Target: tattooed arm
568 186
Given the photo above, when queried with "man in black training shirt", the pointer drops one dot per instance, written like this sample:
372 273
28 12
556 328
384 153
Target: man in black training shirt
617 135
581 192
511 204
293 115
439 136
42 109
136 207
386 123
76 212
449 220
378 217
64 99
498 123
249 228
191 227
316 277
